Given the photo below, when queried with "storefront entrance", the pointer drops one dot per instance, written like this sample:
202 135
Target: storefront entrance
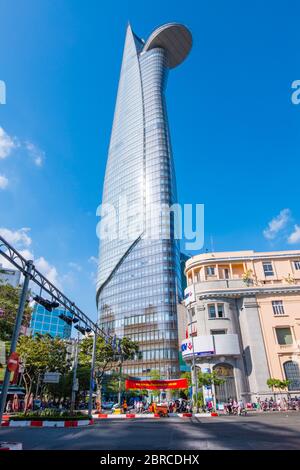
227 389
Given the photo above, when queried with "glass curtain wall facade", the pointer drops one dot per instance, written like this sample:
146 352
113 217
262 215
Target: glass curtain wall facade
139 279
44 322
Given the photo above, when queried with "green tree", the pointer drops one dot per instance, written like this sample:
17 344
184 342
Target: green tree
155 375
40 354
185 393
9 302
277 385
64 388
209 378
107 358
60 390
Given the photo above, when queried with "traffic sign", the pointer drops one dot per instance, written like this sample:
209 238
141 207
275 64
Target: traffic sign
13 362
51 377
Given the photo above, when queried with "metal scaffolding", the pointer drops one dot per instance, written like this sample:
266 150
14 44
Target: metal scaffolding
14 257
27 268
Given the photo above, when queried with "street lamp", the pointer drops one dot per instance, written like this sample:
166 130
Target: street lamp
75 380
120 353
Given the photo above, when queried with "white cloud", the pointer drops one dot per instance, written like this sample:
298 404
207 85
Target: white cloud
4 263
277 224
93 277
37 155
93 259
295 235
18 238
22 241
75 266
27 254
48 270
3 182
7 144
93 274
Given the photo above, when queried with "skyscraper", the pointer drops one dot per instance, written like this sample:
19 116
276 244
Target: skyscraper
138 285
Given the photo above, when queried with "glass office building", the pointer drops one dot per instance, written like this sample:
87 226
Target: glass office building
44 322
139 281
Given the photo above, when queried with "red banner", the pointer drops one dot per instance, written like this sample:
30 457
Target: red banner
156 384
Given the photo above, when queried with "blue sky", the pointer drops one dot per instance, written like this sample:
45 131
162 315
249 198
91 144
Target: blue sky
235 132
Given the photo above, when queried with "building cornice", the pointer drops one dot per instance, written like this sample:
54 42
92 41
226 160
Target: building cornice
248 292
192 263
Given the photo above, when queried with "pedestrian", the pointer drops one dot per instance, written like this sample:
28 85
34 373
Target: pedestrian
241 407
9 406
279 404
15 403
125 406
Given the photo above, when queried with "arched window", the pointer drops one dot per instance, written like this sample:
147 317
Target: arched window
292 373
227 389
224 370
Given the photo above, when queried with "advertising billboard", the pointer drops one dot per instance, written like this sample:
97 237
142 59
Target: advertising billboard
203 346
189 295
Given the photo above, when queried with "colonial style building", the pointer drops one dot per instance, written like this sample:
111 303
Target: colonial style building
243 319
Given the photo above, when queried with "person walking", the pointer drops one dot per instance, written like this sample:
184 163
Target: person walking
15 403
125 406
241 407
9 406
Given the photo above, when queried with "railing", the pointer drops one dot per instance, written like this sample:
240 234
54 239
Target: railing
222 284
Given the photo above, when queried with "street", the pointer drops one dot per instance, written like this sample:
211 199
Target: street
262 431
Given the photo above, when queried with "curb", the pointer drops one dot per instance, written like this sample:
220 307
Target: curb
123 416
47 424
206 415
185 415
142 416
11 446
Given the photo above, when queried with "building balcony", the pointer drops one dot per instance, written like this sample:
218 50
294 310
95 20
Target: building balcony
238 287
211 345
221 284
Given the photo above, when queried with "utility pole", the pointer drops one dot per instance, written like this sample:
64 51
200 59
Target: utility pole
74 382
120 380
16 332
92 374
194 375
213 390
